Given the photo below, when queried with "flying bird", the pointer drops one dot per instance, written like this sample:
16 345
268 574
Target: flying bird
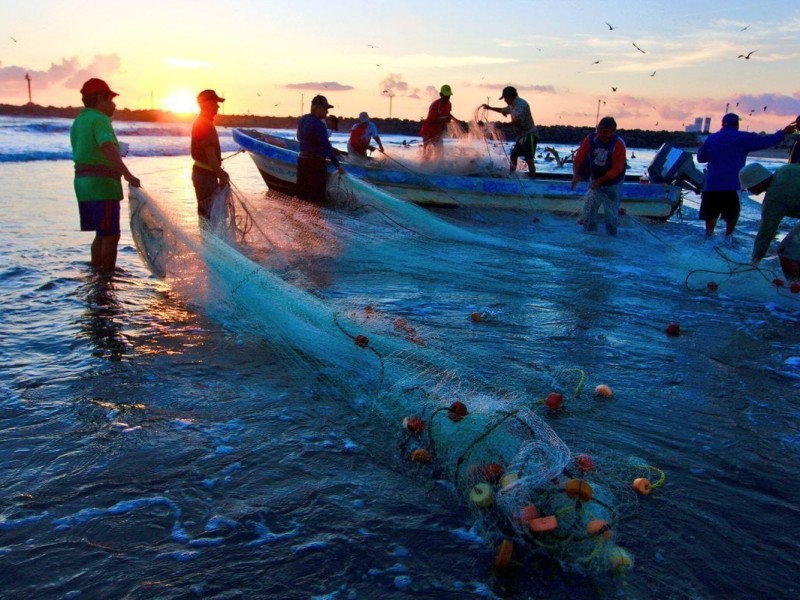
610 28
13 39
597 62
653 74
639 49
745 27
372 45
765 109
747 56
613 89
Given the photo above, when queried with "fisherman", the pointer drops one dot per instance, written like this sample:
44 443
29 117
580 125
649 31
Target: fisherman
782 199
726 152
524 128
98 169
207 173
361 135
435 123
315 147
604 151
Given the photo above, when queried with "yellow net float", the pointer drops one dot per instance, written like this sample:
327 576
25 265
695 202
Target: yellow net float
482 495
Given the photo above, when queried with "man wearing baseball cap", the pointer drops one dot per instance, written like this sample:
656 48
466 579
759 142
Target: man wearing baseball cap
435 123
98 170
782 199
315 147
726 152
207 173
524 128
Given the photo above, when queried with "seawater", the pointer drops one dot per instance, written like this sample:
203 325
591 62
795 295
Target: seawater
152 449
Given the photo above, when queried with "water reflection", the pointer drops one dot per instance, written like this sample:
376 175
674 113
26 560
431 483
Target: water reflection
101 321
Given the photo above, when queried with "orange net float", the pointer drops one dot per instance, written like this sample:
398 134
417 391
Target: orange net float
778 282
599 528
712 286
603 391
642 486
543 524
492 472
400 323
414 424
361 341
795 287
673 329
584 463
476 317
457 411
578 489
503 557
554 401
421 455
528 513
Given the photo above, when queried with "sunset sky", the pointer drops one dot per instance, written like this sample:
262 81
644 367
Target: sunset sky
670 62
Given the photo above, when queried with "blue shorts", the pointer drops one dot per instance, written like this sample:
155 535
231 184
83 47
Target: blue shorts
100 216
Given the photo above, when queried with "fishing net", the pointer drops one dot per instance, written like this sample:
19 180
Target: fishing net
495 450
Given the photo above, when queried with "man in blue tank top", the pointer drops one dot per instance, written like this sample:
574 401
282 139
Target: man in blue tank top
605 155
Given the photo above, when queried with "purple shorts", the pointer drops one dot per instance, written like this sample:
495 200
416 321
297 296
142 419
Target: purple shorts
100 216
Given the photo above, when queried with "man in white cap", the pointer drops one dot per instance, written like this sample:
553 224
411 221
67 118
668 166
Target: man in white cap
782 199
361 135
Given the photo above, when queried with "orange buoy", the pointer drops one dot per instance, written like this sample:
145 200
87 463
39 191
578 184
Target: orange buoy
528 513
598 528
543 524
361 341
421 455
476 317
554 401
457 411
673 329
795 287
584 463
777 282
712 286
603 391
642 486
578 488
482 495
492 472
414 424
503 558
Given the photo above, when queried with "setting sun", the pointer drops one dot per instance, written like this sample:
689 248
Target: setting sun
181 101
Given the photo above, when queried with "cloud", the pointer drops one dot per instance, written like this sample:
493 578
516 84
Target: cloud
68 73
395 85
315 86
539 89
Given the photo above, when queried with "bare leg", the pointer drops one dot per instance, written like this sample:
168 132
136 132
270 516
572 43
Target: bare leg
108 253
730 226
97 245
710 225
531 169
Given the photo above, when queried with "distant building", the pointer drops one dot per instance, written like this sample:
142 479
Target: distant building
707 125
700 125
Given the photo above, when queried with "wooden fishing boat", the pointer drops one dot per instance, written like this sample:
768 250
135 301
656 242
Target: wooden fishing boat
276 159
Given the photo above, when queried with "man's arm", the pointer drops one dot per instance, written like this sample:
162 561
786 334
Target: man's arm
109 150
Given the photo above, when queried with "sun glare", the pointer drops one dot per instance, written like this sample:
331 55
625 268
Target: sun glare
180 102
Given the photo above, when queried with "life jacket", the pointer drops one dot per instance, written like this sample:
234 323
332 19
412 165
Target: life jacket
358 139
600 156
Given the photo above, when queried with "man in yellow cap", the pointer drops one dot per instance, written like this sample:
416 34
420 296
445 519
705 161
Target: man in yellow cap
98 169
435 123
207 172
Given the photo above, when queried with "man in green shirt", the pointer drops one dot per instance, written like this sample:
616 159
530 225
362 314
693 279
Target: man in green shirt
782 199
98 169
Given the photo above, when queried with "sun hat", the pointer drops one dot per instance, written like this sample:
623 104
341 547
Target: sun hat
320 101
753 174
446 91
508 92
96 86
363 117
730 119
209 96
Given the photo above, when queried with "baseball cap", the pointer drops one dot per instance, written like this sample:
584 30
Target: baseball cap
320 101
96 86
363 117
730 119
508 92
753 174
209 96
446 91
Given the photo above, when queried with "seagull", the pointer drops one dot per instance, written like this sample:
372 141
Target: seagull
609 26
745 27
765 109
747 56
372 45
613 89
653 74
639 49
597 62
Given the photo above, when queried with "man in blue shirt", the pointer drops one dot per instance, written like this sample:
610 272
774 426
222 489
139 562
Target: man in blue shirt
726 152
315 147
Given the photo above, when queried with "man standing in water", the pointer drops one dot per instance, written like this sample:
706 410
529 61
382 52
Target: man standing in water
604 152
98 169
315 147
207 172
524 128
435 123
726 152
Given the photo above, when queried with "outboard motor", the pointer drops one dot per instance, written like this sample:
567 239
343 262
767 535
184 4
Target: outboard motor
676 167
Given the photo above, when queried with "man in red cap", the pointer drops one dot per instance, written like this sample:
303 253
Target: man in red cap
207 173
98 169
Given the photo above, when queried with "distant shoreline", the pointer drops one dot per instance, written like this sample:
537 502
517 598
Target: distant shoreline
548 134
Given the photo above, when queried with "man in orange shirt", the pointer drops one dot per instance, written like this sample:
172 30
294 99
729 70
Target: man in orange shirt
435 123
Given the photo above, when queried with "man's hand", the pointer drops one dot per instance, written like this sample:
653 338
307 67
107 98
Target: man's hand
134 181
